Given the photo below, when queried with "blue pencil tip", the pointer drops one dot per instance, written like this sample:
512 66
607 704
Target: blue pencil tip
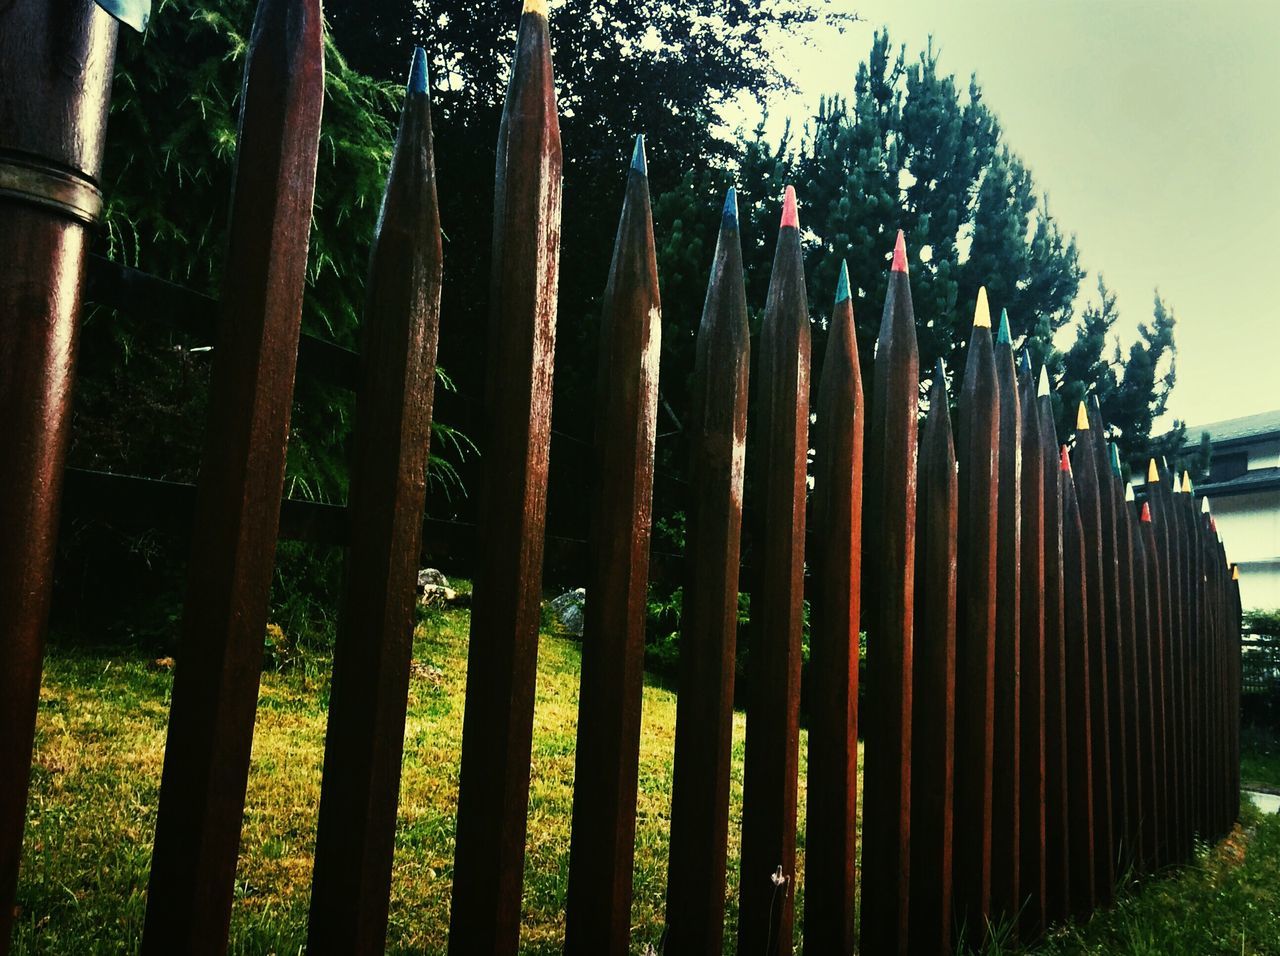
940 373
132 13
731 207
842 288
418 71
1003 337
638 161
1024 363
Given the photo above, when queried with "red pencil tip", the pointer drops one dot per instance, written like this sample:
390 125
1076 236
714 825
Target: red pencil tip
1064 463
790 214
1146 512
900 253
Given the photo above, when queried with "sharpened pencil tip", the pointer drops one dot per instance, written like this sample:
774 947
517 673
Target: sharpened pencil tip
1024 364
730 216
1115 458
1204 505
1146 512
900 253
842 287
638 161
1186 482
536 6
418 71
132 13
1235 572
1043 390
790 212
1153 473
1003 336
1129 493
940 372
1082 418
981 310
1064 462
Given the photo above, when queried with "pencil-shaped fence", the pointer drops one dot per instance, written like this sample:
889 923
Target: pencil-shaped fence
1052 689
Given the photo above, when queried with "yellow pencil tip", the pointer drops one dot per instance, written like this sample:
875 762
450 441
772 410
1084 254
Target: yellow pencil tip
982 311
1235 572
1082 419
1153 473
536 6
1186 482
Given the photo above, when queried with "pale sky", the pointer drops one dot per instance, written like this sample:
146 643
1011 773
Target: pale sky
1154 126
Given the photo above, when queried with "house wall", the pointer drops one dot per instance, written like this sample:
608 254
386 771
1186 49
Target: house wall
1250 529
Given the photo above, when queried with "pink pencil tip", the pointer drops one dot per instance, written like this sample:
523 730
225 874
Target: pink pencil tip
790 212
900 253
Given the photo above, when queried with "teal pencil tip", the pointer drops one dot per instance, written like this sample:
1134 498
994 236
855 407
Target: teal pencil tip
842 288
1115 458
1003 337
638 161
731 207
132 13
418 71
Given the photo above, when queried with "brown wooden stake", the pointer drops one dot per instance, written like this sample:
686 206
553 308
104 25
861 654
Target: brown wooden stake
598 910
979 455
56 63
831 818
1193 575
1032 692
889 510
934 695
1006 801
1056 805
215 689
1080 735
1159 702
1113 643
1144 682
772 757
497 728
1088 493
1133 679
355 838
709 616
1158 499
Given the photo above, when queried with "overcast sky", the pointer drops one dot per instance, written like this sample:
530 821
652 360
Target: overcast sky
1154 125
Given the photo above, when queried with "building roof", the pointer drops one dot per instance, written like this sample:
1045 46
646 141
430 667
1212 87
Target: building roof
1259 479
1235 430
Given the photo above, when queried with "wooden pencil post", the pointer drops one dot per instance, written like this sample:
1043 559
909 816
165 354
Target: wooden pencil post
599 900
1081 813
890 515
830 925
215 689
771 765
1006 803
56 65
978 452
355 838
1033 698
709 615
602 847
497 729
1058 836
934 675
1159 703
1084 470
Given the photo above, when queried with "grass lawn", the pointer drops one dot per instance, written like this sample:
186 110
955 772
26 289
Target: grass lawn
99 750
1260 759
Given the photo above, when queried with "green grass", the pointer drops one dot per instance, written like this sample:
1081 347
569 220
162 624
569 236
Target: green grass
98 758
1260 759
99 752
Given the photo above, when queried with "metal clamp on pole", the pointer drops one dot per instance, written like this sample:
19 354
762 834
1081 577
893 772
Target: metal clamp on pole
32 180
